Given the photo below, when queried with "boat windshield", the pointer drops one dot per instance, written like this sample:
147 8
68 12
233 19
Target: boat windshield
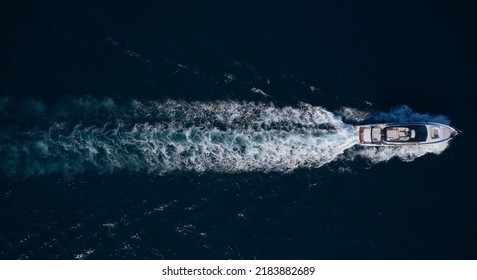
412 133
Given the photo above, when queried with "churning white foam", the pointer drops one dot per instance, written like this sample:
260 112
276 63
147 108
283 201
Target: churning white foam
177 136
352 114
404 153
161 137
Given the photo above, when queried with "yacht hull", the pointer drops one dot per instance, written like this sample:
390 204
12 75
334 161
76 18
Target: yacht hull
405 133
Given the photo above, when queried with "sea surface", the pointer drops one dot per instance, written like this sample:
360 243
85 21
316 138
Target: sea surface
227 130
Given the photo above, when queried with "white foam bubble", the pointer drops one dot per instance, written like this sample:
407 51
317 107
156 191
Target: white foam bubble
352 114
259 91
181 136
404 153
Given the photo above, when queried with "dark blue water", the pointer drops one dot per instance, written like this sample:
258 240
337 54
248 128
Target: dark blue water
225 130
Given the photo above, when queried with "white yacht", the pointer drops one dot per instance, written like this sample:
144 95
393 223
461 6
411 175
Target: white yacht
409 133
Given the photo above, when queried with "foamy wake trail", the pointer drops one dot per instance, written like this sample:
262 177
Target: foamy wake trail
161 137
397 114
404 153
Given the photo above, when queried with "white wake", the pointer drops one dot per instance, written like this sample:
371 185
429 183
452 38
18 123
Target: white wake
161 137
176 136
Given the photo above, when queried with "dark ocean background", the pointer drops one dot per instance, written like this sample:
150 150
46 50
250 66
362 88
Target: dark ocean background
91 91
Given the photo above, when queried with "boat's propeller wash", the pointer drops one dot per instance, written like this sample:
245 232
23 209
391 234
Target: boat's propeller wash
161 137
